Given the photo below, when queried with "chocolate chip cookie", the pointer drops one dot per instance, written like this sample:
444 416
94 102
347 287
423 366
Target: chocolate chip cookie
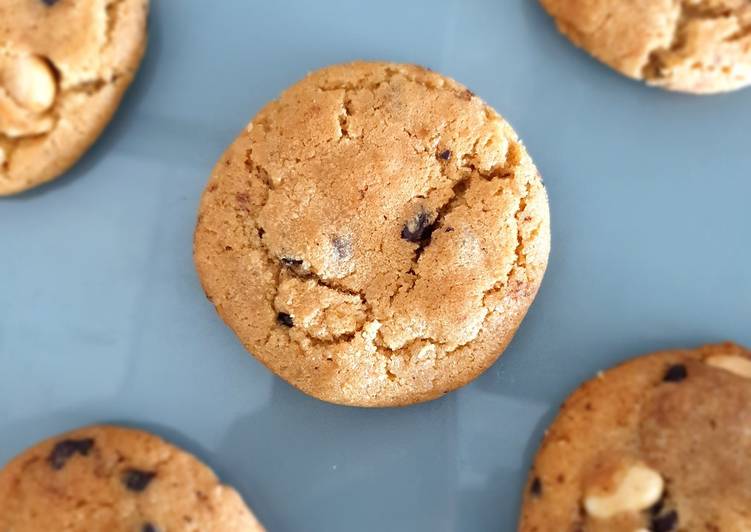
64 66
375 236
697 46
118 480
661 443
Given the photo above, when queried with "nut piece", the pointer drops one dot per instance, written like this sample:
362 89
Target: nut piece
30 82
640 488
732 363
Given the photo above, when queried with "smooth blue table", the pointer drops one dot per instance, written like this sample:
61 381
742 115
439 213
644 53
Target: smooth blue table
102 318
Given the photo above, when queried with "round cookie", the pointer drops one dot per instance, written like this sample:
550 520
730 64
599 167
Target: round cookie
661 443
696 46
375 236
118 480
64 66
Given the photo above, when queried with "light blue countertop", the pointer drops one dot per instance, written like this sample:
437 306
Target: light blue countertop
102 318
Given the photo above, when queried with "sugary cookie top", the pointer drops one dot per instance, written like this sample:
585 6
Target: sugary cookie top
661 443
699 46
376 234
60 61
119 480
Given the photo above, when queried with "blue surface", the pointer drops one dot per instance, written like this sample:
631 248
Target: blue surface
102 318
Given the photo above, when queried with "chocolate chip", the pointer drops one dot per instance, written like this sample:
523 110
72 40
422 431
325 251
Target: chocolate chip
137 479
419 229
536 487
148 527
664 523
343 247
67 448
449 229
466 94
284 319
445 155
289 262
50 2
657 507
675 373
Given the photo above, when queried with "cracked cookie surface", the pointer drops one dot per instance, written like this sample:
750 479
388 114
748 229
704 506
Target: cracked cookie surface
64 67
375 236
118 480
696 46
660 443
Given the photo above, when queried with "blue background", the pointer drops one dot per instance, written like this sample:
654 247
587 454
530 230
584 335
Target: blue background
102 318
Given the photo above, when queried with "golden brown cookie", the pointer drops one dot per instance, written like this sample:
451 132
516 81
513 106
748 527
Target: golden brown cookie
661 443
64 66
114 479
375 236
698 46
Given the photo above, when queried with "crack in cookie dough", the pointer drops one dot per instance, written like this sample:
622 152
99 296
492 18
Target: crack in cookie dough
369 223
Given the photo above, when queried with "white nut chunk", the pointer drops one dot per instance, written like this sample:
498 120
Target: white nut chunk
29 80
732 363
639 488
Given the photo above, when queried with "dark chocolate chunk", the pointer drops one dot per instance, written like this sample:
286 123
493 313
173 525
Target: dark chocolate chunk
675 373
289 262
50 2
657 507
536 487
148 527
285 319
343 247
664 523
67 448
466 95
445 155
137 479
419 229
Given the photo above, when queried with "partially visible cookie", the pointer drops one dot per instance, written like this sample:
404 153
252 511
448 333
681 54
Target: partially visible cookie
114 479
375 236
697 46
661 443
64 66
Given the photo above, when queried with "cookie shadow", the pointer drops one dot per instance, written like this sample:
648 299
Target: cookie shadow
299 460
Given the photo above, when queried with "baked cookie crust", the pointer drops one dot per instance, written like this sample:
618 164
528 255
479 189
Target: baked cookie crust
695 46
64 67
375 236
660 443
